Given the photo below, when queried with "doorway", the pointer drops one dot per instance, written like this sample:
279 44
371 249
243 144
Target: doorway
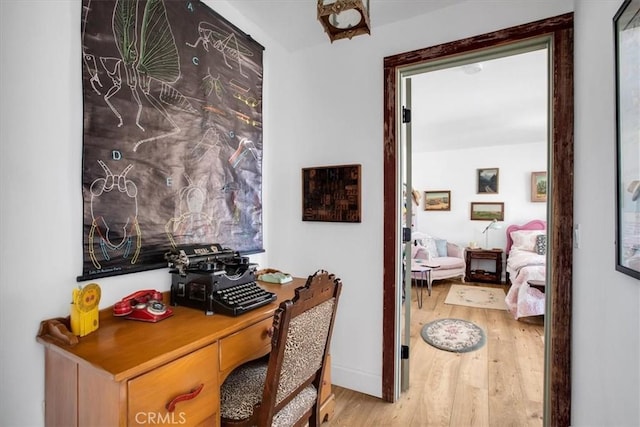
559 33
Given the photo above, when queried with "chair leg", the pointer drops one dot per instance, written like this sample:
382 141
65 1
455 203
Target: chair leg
308 419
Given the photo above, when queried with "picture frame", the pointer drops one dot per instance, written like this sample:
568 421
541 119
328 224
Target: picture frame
487 180
437 200
626 23
487 211
332 193
538 186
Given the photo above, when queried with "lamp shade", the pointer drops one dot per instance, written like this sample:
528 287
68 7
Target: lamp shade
343 19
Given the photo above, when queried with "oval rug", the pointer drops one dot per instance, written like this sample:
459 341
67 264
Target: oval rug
456 335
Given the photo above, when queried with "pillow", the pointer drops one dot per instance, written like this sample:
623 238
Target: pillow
525 239
441 245
419 252
541 244
430 246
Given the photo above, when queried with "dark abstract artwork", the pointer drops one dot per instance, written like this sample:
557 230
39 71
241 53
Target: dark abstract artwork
331 193
172 134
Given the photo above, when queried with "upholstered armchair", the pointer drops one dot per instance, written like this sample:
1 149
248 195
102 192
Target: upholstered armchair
447 256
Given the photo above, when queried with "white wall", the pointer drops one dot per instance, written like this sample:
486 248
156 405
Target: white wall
456 171
40 188
605 372
322 106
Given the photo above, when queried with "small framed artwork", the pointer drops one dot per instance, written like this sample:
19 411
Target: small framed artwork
627 45
538 186
331 193
487 211
488 181
437 200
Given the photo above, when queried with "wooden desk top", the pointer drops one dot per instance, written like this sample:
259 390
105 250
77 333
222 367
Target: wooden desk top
142 346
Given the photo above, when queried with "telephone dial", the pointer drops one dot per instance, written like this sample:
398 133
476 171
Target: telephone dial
144 305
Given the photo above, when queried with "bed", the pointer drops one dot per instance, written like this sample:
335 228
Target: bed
526 260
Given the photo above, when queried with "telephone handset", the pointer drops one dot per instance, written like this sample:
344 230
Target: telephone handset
144 305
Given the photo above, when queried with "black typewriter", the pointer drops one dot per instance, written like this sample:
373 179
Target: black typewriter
215 280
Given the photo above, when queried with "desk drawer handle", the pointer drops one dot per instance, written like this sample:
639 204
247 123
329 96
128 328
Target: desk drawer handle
171 406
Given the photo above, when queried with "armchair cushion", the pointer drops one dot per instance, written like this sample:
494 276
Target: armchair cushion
455 251
419 252
441 244
452 264
431 247
448 263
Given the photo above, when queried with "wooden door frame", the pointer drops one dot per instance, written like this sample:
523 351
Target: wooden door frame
557 388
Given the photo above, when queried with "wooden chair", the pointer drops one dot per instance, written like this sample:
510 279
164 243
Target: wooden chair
284 388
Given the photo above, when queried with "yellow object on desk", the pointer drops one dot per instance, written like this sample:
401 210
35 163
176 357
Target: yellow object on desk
84 309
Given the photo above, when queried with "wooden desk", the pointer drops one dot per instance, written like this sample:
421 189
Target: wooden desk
127 371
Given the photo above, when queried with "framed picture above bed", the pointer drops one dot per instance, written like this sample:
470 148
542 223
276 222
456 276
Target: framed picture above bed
627 43
488 180
538 186
487 211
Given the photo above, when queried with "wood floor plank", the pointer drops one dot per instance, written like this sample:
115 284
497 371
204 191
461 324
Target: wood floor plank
500 384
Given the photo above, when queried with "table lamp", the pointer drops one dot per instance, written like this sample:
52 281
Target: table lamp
492 225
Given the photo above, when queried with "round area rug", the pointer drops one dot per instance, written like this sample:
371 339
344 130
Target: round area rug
456 335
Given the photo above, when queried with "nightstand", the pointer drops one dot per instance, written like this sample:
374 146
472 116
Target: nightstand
479 275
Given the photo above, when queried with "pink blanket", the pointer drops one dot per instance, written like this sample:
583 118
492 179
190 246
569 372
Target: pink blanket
523 300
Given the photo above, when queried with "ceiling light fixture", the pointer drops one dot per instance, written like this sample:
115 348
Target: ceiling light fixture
343 19
474 68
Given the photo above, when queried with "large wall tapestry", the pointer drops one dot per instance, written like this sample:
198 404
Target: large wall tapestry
172 151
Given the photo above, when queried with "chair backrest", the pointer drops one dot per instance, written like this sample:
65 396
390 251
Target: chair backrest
300 345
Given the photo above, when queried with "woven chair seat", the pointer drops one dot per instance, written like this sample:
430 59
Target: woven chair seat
243 389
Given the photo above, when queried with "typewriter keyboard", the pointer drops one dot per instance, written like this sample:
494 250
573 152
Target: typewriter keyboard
239 299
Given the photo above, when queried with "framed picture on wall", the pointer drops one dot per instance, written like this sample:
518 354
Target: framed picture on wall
538 186
627 44
437 200
487 211
331 193
487 181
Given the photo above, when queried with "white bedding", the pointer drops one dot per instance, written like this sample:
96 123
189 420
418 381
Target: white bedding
523 300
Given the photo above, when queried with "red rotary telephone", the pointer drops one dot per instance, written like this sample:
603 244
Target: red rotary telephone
144 305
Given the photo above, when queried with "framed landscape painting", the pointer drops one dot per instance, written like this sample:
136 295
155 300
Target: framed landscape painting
538 186
487 211
437 200
487 180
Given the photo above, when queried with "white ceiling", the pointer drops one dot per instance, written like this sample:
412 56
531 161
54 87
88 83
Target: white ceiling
294 23
505 103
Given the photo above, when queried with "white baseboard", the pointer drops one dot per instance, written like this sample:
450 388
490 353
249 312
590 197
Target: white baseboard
359 381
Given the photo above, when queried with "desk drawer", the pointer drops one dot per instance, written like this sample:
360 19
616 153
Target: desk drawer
247 344
149 394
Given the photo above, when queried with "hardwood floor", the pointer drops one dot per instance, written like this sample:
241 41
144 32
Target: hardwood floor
500 384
